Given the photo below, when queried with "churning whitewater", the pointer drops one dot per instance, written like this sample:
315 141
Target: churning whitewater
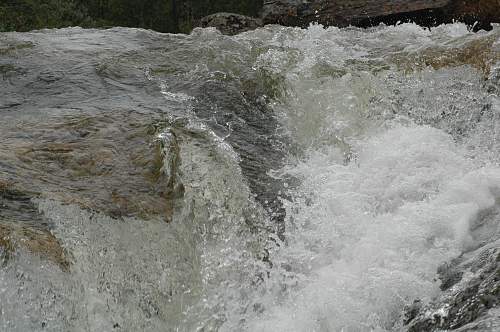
282 179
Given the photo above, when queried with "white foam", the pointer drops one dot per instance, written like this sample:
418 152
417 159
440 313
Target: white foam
375 231
384 199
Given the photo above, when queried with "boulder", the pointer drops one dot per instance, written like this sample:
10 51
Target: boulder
229 23
480 13
470 295
365 13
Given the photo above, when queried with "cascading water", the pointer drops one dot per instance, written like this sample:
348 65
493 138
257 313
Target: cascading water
282 179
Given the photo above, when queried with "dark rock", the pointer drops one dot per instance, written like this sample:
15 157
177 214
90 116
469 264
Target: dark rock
103 163
449 274
254 139
471 294
340 13
480 13
411 311
368 13
229 23
286 12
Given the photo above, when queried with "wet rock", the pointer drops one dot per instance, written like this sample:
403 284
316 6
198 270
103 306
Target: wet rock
339 13
104 163
229 23
23 226
489 323
471 285
284 12
411 311
480 53
480 13
98 143
449 274
253 135
367 13
39 242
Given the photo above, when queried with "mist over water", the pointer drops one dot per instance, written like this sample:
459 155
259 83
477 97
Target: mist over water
315 178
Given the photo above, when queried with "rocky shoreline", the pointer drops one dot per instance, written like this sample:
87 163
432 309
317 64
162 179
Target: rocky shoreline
479 14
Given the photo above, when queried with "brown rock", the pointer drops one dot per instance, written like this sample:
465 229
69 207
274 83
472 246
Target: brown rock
466 302
23 226
480 53
368 12
483 12
112 164
37 241
229 23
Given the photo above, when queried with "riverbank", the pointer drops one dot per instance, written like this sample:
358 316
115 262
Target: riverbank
160 15
182 16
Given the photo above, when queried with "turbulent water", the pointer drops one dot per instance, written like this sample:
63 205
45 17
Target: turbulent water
282 179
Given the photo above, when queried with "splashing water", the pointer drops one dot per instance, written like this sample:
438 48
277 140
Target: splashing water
381 146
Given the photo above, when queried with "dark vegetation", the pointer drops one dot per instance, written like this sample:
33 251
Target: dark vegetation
159 15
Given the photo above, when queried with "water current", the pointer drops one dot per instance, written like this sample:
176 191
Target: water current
282 179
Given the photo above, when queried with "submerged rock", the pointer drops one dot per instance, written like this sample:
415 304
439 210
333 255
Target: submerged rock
105 163
23 226
481 53
229 23
470 285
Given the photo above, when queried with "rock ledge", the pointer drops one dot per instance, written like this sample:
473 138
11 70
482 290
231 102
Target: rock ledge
229 23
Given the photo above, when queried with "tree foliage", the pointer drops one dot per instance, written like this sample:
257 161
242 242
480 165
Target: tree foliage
22 15
160 15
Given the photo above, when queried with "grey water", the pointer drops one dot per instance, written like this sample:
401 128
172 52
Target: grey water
282 179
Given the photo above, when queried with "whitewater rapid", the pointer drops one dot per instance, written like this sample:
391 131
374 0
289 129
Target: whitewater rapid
389 190
326 175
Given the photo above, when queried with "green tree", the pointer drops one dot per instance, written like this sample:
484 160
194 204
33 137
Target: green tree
160 15
24 15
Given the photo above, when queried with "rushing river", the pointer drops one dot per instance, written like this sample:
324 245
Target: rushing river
282 179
